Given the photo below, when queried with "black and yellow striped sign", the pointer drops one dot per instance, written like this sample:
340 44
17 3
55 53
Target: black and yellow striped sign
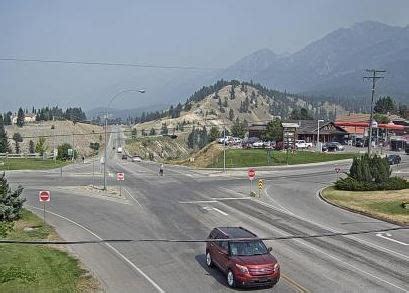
260 184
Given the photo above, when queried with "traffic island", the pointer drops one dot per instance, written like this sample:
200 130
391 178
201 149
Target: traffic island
386 205
40 268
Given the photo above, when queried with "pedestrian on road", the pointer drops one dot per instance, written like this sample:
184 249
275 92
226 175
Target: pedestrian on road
161 170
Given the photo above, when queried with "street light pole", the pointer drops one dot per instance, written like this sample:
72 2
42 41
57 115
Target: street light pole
318 134
106 126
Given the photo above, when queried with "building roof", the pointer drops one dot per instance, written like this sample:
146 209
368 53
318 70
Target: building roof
311 126
353 117
257 127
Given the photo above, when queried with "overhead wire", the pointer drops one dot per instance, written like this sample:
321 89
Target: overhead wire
165 240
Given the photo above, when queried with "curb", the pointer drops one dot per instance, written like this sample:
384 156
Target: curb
269 168
357 212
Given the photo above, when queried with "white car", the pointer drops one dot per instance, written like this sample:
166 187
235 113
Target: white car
236 140
136 159
224 139
258 144
301 144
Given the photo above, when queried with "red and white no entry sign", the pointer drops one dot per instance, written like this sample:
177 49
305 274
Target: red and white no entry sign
120 176
44 195
251 173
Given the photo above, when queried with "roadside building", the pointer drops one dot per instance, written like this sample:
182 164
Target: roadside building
308 131
28 118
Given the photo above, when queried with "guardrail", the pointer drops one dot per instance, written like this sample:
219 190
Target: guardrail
25 156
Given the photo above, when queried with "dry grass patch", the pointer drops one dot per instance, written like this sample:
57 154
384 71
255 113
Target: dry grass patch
384 205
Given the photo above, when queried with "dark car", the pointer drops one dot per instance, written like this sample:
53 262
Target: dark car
244 262
407 148
124 157
393 159
359 143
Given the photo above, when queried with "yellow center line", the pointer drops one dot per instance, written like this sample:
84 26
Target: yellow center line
294 284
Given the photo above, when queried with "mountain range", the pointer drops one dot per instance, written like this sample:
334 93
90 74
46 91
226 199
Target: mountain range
335 65
329 69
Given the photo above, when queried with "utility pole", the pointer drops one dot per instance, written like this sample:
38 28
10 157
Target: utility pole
374 76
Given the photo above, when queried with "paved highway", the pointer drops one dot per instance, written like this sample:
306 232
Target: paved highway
187 204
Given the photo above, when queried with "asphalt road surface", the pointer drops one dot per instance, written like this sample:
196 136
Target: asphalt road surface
187 204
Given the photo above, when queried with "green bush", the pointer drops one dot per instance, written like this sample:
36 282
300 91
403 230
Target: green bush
351 184
369 173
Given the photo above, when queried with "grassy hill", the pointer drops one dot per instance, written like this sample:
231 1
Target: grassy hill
62 133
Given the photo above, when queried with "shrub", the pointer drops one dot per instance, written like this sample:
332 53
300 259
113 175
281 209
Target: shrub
351 184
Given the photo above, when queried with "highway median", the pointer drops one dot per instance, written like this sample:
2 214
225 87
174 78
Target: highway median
385 205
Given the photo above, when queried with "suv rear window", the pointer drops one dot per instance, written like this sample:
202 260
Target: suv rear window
247 248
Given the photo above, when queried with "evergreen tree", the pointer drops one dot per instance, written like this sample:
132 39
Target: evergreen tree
385 105
11 203
225 104
231 114
20 117
164 130
7 118
17 139
31 148
4 143
232 93
214 133
274 131
238 129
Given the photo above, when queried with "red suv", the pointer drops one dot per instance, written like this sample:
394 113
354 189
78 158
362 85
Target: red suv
245 262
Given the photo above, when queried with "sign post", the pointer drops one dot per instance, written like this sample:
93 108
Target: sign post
260 186
251 173
337 169
120 177
44 196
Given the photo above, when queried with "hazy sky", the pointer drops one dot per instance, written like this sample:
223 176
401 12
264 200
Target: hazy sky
212 33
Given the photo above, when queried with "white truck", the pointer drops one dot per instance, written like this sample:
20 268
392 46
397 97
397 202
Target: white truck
301 144
119 150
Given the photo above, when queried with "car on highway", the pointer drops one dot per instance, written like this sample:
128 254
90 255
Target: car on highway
333 147
302 144
246 263
393 159
136 159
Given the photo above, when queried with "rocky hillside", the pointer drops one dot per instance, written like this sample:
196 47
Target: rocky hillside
224 102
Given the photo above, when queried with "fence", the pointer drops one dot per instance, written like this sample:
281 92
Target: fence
26 156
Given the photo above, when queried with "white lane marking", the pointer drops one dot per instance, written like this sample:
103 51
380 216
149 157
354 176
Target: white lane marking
331 256
337 259
336 231
231 198
388 237
215 209
110 246
220 211
133 197
199 201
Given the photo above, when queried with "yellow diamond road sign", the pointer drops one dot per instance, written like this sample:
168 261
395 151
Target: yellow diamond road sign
260 183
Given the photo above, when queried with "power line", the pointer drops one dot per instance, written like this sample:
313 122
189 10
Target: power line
165 240
75 62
